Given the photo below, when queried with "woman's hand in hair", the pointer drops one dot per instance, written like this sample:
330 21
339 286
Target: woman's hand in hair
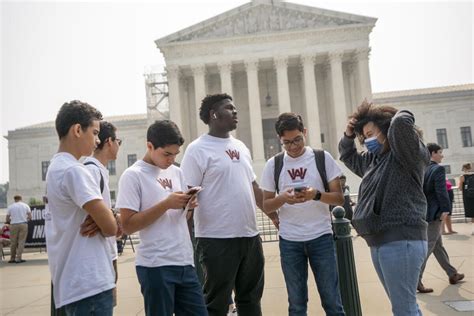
350 127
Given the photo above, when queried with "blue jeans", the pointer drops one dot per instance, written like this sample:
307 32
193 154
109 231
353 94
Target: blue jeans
398 265
100 304
171 289
322 258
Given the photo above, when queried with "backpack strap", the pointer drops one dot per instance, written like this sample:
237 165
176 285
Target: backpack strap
101 177
277 170
320 160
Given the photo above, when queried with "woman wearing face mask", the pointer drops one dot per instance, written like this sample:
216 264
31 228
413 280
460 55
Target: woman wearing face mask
391 205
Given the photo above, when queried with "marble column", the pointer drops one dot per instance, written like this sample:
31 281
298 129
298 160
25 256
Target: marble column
199 74
311 101
225 72
174 99
362 56
281 65
256 128
353 87
339 98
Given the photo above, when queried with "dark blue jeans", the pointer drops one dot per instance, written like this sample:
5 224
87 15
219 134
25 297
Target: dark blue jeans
322 258
100 304
171 289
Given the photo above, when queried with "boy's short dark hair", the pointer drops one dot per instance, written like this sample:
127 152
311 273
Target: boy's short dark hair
17 198
75 112
288 122
164 133
107 130
208 104
433 147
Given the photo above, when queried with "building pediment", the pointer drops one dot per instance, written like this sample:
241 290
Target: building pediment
257 18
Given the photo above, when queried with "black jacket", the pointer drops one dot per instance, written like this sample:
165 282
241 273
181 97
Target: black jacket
391 205
434 187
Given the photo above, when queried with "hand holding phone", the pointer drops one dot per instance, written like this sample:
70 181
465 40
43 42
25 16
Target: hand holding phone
192 202
299 189
193 190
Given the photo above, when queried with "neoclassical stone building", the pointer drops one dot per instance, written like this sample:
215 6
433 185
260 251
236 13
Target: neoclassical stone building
446 116
271 56
31 148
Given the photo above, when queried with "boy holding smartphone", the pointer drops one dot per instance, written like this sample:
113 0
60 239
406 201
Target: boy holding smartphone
151 201
304 218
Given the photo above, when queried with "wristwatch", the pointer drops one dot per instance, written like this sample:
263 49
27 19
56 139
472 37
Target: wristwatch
317 197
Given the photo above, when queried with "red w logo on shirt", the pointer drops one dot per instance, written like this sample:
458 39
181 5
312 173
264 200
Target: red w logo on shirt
297 173
165 183
233 154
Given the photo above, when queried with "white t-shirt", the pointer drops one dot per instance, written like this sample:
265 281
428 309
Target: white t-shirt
166 241
80 266
96 170
308 220
223 168
18 212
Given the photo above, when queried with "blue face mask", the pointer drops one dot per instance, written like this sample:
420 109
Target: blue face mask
373 145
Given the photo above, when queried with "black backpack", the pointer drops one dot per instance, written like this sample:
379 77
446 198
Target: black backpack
469 185
101 177
319 159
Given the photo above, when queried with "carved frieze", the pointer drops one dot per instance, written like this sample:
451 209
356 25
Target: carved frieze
263 19
312 37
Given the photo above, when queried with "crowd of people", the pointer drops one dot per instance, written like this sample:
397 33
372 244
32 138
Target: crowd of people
199 241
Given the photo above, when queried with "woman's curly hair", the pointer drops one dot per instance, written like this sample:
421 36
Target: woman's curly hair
380 115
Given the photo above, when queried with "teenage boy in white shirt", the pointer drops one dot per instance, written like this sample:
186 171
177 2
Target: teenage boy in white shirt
105 152
81 269
151 201
228 242
304 218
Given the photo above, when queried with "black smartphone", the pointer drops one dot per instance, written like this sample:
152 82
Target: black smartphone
299 189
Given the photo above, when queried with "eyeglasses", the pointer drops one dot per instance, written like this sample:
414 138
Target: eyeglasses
119 141
297 141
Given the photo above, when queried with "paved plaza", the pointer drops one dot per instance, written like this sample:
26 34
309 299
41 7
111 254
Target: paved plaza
25 288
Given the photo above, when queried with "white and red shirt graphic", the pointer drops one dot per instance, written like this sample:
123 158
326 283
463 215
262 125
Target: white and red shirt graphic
233 154
297 173
166 183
